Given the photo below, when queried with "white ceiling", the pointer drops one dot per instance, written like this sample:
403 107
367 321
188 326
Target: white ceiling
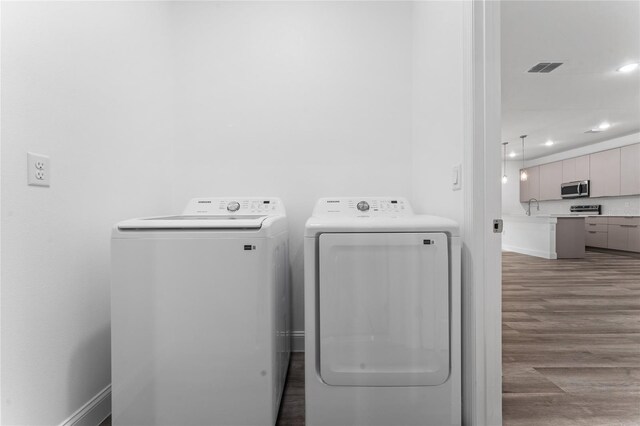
592 39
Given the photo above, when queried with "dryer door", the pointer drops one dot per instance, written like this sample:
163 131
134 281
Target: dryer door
384 309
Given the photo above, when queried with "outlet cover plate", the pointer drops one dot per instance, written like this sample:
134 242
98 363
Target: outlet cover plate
38 169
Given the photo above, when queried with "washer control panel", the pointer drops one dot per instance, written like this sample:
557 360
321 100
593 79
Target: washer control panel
237 206
363 207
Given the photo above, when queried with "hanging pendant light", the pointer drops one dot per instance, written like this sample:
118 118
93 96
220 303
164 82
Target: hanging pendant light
504 167
523 173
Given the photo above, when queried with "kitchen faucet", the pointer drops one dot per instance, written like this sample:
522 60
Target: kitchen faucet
537 206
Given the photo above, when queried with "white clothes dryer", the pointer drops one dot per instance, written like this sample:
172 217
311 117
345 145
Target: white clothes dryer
382 315
200 315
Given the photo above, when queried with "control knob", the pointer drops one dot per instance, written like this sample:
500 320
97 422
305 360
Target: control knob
363 206
233 206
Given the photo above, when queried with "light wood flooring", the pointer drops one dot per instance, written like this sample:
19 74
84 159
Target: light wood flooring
571 340
571 344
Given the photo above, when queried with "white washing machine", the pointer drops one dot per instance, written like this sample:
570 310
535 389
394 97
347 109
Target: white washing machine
382 315
200 315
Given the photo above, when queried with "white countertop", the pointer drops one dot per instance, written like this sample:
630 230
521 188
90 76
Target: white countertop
576 215
613 215
551 218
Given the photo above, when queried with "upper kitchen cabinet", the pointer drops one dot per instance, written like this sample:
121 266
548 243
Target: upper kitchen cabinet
612 173
583 171
534 182
630 170
604 170
551 177
530 188
575 169
524 189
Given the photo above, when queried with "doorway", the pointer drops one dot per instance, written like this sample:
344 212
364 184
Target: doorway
570 99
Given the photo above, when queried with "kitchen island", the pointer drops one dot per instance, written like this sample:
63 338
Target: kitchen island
554 236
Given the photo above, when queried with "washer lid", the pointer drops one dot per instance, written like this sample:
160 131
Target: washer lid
194 222
211 213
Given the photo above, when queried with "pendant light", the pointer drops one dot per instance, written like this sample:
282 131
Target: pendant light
504 167
523 173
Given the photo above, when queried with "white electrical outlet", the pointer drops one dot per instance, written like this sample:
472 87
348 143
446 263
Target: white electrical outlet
38 169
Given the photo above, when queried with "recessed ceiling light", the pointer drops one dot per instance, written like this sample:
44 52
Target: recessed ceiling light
629 67
512 154
604 126
549 143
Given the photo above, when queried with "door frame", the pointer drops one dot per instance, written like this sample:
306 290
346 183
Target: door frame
481 253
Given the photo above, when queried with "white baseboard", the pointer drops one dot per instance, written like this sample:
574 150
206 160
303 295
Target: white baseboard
297 341
530 252
93 412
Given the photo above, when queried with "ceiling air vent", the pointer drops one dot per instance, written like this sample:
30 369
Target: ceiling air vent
545 67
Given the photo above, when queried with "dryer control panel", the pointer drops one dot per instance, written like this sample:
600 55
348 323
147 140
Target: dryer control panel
363 207
240 206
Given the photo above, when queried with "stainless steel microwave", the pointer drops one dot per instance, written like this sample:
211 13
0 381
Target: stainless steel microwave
575 189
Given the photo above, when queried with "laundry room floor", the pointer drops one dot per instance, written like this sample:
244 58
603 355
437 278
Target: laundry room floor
571 340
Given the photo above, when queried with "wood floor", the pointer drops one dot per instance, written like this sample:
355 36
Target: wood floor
571 344
292 407
571 340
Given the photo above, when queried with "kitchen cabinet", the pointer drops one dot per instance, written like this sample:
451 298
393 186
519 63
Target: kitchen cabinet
624 237
613 232
551 175
630 170
604 170
576 168
614 172
596 239
524 189
530 188
634 239
617 237
570 239
582 168
596 228
624 233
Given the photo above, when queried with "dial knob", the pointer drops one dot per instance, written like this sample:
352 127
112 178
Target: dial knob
233 206
363 206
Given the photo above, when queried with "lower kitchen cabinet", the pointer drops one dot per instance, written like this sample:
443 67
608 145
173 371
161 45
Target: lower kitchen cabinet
617 237
634 239
596 239
613 232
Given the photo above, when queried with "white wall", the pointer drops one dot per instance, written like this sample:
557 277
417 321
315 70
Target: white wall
86 84
296 100
142 106
629 205
438 107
